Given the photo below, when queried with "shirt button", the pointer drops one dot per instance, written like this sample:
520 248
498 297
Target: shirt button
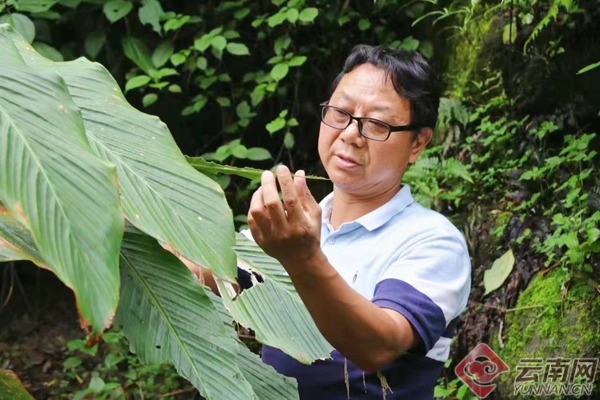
331 240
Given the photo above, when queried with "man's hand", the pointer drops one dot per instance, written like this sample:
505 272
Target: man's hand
289 231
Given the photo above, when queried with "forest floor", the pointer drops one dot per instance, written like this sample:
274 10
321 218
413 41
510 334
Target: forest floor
42 342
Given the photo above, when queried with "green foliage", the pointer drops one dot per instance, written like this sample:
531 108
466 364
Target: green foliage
557 313
512 163
11 387
93 137
501 269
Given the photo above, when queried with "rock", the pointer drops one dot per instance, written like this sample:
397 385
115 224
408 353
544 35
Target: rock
552 325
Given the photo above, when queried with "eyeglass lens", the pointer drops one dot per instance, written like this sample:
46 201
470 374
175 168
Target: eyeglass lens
339 119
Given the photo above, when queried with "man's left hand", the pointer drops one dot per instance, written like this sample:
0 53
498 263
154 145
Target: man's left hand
288 230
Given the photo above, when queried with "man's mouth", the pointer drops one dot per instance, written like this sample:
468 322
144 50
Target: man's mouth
345 161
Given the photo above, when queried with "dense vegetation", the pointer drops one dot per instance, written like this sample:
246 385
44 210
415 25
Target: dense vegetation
514 159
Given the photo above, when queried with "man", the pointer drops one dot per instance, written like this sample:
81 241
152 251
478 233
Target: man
384 279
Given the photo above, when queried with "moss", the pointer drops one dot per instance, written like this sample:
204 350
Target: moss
465 61
544 325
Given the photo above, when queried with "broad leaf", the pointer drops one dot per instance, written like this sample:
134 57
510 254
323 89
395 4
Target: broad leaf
21 23
494 277
34 6
279 71
161 193
265 381
272 308
137 51
11 387
308 14
16 242
168 317
117 9
238 49
150 13
162 53
54 185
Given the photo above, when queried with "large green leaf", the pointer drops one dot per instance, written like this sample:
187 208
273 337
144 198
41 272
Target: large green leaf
161 193
11 387
265 381
273 309
54 185
16 242
169 317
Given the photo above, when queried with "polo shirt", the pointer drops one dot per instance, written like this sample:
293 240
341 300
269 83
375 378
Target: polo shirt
404 257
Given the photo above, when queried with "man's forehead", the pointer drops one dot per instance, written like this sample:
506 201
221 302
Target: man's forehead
383 105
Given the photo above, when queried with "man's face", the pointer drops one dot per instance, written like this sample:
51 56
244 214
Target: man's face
365 92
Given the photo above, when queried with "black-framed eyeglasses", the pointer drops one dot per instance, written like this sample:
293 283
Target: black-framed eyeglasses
370 128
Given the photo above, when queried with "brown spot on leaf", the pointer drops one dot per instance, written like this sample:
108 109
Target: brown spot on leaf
19 210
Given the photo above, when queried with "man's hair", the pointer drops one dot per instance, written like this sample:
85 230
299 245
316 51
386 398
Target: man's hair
410 73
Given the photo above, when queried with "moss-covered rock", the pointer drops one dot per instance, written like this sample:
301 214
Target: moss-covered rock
546 325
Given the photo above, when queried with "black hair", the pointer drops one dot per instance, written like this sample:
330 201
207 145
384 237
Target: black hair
410 73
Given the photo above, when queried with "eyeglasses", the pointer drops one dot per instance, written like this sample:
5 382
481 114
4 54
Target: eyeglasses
370 128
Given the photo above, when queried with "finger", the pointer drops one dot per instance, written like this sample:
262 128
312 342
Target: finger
270 198
306 198
257 216
290 198
256 231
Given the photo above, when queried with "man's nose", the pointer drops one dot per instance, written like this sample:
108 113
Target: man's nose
351 134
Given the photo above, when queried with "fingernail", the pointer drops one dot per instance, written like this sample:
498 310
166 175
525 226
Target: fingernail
281 169
300 172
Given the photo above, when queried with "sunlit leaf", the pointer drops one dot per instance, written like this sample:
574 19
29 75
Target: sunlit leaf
279 71
136 82
238 49
308 14
494 277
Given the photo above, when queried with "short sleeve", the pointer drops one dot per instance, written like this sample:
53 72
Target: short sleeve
429 284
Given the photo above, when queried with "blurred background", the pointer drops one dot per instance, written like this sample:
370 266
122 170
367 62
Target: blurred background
513 162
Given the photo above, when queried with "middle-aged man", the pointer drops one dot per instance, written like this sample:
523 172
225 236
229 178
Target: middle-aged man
384 278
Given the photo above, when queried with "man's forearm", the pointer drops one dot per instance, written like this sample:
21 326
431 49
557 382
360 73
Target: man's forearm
363 332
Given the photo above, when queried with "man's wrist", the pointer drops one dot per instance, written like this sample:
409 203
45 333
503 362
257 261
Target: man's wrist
314 266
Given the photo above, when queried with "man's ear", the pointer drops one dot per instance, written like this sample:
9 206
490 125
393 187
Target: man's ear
418 145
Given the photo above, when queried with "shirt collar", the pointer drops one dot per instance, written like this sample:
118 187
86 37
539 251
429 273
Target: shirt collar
377 217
